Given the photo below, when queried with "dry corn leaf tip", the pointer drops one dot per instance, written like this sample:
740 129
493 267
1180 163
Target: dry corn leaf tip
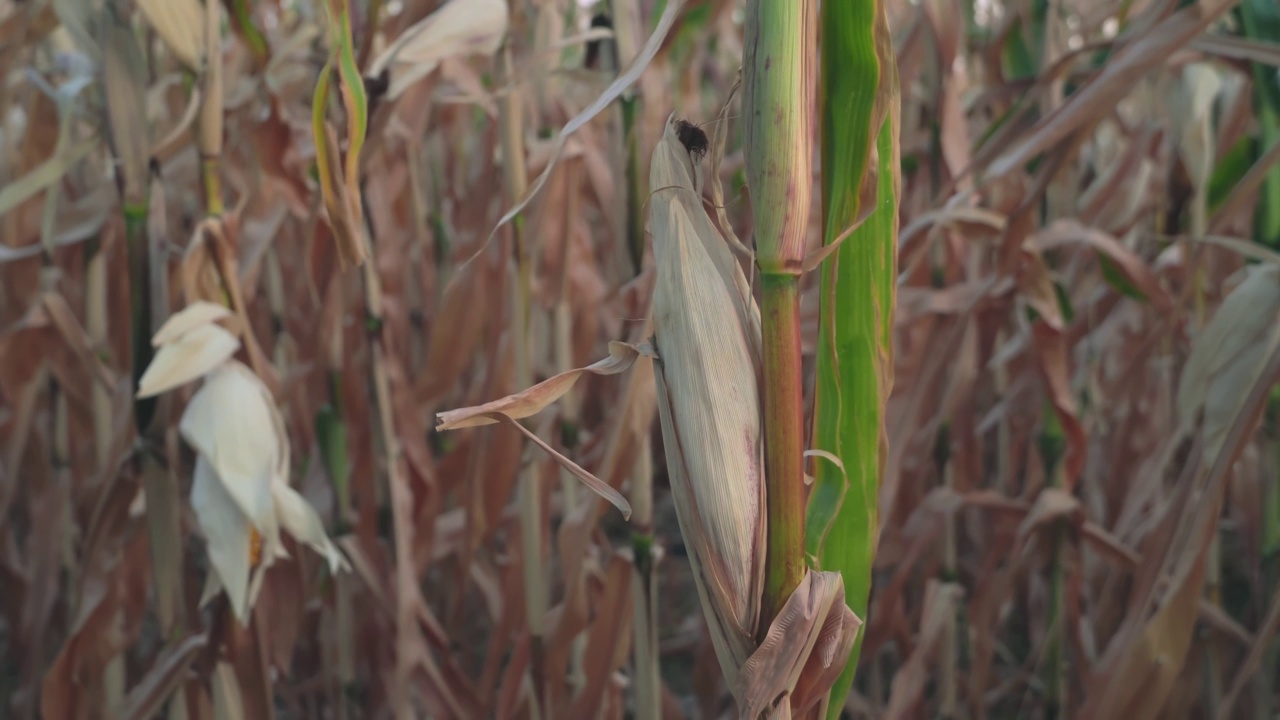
240 493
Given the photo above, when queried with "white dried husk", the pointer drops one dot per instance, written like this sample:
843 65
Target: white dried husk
240 491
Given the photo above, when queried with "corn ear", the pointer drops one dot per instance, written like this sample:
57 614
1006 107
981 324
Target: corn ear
707 333
707 345
709 379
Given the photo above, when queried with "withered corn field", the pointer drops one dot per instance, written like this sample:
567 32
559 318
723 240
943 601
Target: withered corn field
639 359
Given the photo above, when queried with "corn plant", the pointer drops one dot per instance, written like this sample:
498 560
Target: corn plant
728 373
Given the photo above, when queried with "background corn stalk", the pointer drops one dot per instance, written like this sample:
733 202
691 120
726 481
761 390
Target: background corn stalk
1068 235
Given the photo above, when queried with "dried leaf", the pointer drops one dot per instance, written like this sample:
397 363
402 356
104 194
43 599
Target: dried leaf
804 651
190 318
166 674
124 72
180 23
51 171
624 80
1122 70
189 357
456 28
533 400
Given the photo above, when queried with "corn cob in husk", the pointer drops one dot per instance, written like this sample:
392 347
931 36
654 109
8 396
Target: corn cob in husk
707 352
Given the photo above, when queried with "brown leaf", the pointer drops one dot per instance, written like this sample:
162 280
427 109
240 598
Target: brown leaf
1066 232
804 651
533 400
1051 352
1123 69
940 605
607 639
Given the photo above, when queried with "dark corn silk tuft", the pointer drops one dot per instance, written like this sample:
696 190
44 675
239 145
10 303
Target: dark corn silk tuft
693 138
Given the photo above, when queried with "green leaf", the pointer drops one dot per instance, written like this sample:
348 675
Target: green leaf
855 356
1019 63
1115 278
1230 168
1260 20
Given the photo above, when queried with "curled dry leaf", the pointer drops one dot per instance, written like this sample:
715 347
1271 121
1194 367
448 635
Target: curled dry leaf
533 400
191 357
240 492
459 27
803 652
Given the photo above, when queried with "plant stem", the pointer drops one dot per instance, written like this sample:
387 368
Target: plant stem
778 81
783 441
529 492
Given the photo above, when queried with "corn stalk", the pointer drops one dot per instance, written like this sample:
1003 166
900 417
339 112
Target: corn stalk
778 80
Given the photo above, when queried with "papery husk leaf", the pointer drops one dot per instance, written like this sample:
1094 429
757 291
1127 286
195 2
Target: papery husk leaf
803 652
187 319
187 358
301 521
707 332
229 422
227 533
459 27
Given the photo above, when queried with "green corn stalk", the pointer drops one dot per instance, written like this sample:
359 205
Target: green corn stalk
860 179
778 79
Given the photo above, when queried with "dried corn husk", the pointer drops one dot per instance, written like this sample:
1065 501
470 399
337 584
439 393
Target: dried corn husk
457 28
708 374
707 333
240 491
